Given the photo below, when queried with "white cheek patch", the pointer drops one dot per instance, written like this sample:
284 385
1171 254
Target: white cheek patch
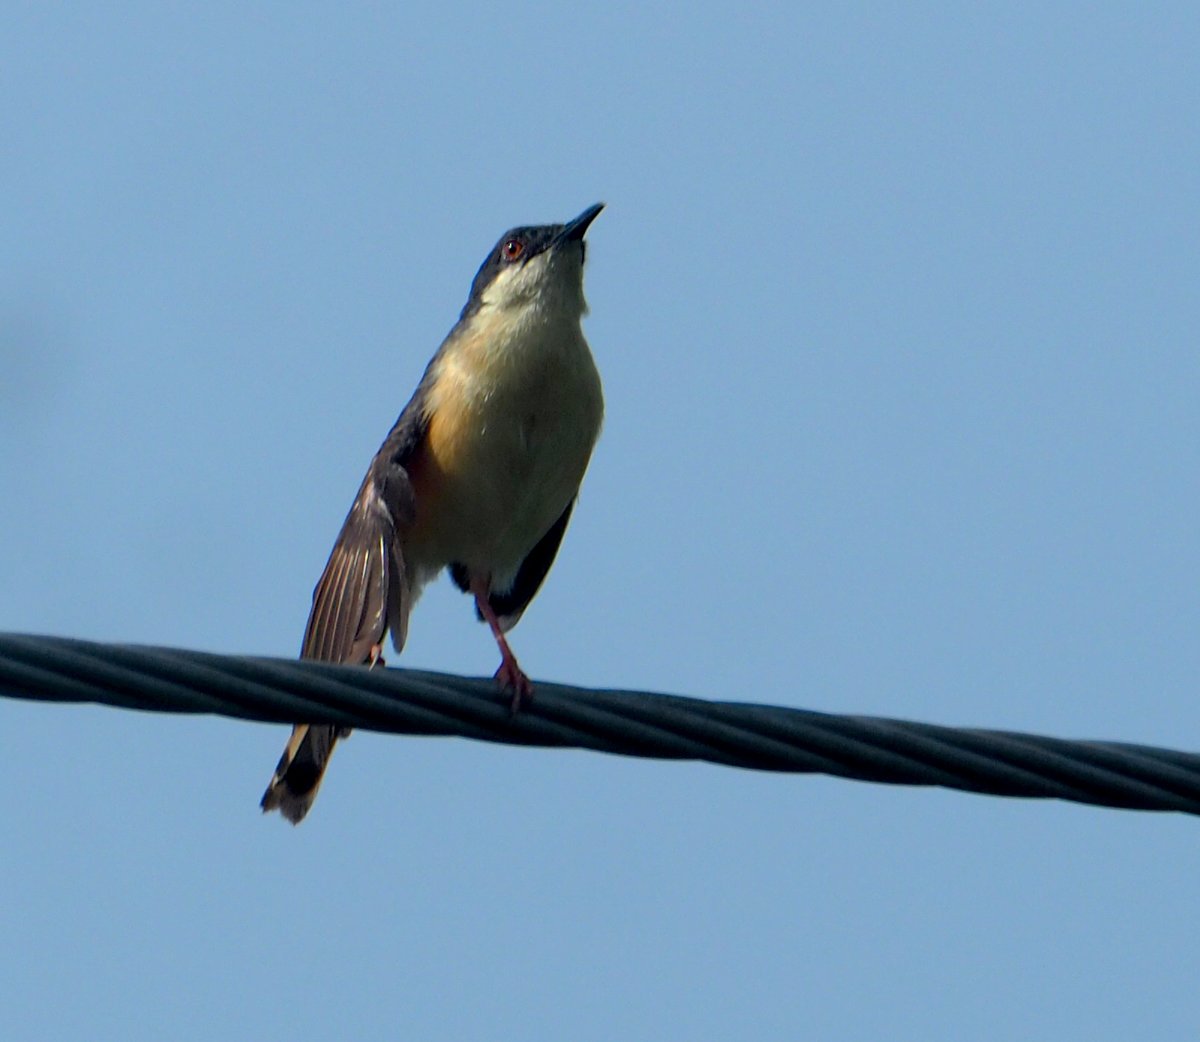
517 284
500 289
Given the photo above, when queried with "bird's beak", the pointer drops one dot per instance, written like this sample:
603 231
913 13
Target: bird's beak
573 230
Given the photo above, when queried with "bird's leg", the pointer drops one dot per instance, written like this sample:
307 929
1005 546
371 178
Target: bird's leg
510 676
376 658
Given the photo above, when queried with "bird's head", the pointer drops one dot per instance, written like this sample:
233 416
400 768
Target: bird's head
540 266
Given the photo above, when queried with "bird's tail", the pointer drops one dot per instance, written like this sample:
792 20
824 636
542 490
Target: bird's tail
301 768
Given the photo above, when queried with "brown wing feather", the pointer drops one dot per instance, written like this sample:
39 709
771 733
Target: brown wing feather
365 583
351 602
363 590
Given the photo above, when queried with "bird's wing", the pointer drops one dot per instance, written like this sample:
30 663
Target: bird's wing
510 604
366 586
350 603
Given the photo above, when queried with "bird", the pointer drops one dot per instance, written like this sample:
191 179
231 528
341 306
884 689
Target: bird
478 476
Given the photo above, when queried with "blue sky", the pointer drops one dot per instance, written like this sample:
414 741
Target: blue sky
896 312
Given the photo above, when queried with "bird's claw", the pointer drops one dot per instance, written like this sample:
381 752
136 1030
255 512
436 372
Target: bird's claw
510 677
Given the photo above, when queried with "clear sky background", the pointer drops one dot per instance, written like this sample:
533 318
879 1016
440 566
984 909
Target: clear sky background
896 310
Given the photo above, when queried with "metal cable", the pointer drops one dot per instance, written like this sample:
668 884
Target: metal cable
632 723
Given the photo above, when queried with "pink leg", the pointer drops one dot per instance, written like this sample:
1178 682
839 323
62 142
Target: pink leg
510 675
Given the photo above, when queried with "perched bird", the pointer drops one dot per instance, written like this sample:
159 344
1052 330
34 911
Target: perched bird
478 475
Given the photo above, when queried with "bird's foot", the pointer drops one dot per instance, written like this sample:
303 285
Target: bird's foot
376 658
510 677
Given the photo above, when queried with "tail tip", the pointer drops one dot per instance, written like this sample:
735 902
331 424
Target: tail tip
292 807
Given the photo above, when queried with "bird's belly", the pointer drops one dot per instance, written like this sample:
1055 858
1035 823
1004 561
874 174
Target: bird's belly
499 468
515 489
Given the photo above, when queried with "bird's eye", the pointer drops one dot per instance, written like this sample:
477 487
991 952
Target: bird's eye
512 249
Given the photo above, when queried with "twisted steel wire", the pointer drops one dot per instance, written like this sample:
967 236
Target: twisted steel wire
631 723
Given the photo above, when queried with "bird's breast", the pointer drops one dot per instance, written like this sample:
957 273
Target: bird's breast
513 414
